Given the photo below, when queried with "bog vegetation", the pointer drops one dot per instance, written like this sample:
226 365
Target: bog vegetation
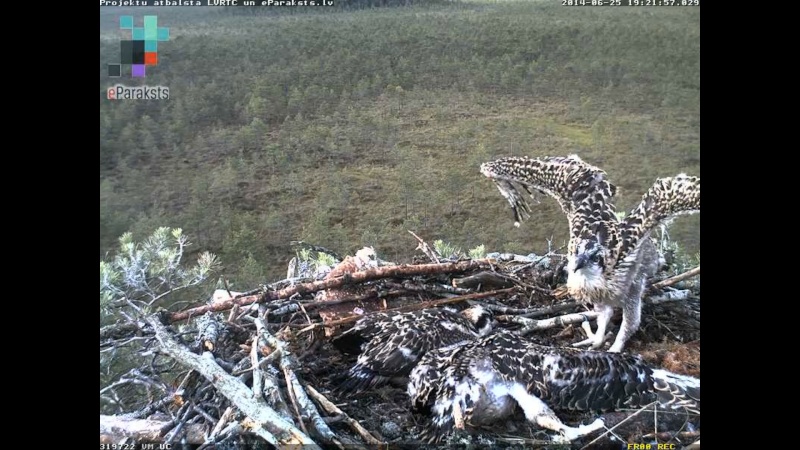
346 127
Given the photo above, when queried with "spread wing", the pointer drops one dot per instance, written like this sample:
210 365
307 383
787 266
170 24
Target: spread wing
582 190
667 198
391 345
564 378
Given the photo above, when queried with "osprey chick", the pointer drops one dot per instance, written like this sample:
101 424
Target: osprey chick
481 382
608 260
390 344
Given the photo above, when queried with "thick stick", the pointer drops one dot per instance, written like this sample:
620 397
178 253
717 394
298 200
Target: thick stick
354 278
115 428
531 325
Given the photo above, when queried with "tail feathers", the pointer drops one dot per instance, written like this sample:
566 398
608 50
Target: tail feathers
677 391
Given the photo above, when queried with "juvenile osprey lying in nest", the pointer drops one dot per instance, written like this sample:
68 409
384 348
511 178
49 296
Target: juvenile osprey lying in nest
480 382
609 260
389 345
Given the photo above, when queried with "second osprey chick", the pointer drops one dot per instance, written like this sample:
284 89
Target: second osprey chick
389 345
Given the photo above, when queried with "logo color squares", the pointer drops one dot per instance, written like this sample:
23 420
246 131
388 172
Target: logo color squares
142 49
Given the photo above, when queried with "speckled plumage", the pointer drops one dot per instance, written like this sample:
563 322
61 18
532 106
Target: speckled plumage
482 381
390 344
609 260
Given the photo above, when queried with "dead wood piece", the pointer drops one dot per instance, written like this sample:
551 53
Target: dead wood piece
401 271
330 408
267 383
489 280
676 278
280 431
425 248
414 307
531 325
670 296
114 429
209 331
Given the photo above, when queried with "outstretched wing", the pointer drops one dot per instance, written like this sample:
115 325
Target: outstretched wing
582 190
392 344
669 197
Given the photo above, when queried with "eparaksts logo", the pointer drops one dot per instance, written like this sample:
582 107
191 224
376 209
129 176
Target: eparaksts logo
120 92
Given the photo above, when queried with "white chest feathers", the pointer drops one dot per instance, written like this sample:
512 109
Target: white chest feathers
587 283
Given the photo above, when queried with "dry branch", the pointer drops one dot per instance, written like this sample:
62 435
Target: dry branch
491 280
531 325
413 307
114 429
676 278
330 408
267 383
281 431
353 278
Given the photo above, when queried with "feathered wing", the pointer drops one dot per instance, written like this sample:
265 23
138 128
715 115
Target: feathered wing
456 384
393 344
667 198
432 388
572 379
353 340
582 190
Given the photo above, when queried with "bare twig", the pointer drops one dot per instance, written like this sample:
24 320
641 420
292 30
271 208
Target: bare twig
610 430
330 408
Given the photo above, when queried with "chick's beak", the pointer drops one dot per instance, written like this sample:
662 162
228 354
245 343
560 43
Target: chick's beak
581 261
